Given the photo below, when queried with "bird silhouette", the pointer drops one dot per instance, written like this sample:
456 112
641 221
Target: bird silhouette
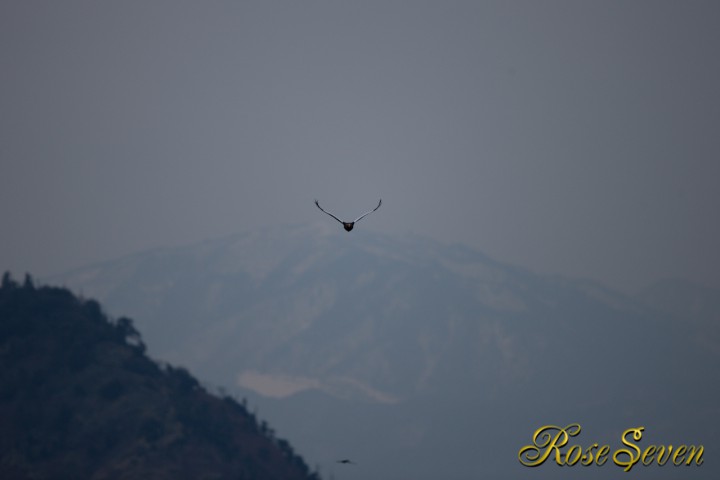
346 462
349 225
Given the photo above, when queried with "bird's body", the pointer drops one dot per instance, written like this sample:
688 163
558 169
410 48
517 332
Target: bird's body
349 225
346 461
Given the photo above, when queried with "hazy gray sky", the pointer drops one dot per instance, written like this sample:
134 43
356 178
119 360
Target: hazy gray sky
572 137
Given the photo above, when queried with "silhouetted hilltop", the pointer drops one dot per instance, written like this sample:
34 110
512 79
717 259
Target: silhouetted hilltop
80 399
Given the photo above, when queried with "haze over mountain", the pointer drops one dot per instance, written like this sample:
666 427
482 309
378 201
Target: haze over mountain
418 359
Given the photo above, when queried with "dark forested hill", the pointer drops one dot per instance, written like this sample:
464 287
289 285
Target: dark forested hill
80 399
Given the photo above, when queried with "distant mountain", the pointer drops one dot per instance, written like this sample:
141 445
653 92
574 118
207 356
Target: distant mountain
696 306
80 399
424 360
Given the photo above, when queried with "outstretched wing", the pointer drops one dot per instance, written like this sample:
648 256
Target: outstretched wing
367 213
321 209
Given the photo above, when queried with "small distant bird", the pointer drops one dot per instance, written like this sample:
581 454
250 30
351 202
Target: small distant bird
349 225
346 462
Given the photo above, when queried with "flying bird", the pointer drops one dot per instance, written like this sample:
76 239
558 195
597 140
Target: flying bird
349 225
346 461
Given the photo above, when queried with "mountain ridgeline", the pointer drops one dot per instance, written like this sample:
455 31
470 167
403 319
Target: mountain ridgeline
420 360
80 399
